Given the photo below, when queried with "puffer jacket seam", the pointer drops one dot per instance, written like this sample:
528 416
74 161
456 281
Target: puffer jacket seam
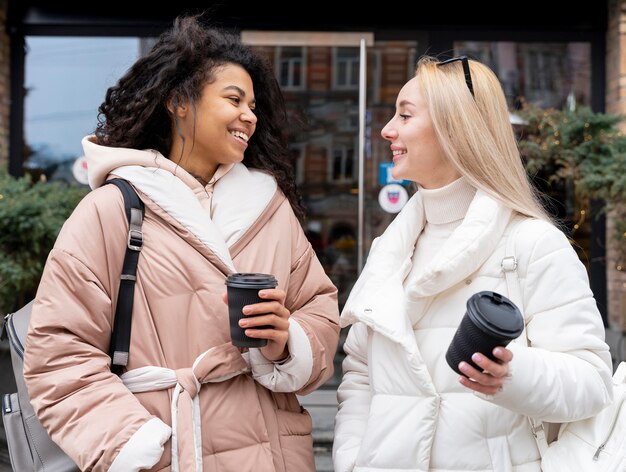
85 266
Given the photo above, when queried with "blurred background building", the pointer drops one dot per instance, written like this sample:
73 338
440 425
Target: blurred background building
340 68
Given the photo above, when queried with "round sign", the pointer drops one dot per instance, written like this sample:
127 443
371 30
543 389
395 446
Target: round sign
392 198
79 170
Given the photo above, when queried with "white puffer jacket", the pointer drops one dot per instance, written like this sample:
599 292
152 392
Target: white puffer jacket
402 408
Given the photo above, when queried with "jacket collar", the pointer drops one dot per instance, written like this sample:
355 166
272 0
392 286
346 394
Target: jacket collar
239 195
377 297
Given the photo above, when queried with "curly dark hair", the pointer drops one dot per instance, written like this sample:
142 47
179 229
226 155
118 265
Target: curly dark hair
134 113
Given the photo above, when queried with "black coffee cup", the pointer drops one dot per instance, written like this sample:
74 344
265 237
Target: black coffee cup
491 320
243 289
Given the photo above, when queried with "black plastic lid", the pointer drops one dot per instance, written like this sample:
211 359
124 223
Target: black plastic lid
495 314
250 280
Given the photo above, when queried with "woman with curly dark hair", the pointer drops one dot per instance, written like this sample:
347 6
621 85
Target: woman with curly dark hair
197 126
137 111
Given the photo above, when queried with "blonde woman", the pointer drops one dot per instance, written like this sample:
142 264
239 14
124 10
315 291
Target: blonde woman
401 407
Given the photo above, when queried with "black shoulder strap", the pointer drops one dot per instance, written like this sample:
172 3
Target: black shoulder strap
120 339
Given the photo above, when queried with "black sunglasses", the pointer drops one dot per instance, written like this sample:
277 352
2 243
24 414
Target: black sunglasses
466 70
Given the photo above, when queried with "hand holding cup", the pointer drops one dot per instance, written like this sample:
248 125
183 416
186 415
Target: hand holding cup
490 376
257 312
477 350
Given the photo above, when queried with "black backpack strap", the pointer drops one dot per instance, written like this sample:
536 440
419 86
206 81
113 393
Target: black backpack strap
120 339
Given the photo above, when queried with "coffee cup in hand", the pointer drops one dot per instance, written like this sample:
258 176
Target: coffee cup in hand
490 320
243 289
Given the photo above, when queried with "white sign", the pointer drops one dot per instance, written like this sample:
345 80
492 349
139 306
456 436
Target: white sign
392 198
79 170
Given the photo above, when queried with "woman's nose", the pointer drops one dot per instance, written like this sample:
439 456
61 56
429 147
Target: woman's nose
248 116
388 132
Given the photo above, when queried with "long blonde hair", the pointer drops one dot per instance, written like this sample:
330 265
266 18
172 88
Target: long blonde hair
475 132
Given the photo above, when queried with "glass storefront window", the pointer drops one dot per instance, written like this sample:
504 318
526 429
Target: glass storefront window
323 132
545 74
66 80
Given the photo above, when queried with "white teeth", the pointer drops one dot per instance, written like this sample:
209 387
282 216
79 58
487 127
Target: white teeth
240 134
398 152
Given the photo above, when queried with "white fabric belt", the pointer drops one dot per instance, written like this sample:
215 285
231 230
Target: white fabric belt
187 382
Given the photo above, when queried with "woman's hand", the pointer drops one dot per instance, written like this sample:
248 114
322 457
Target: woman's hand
490 380
273 314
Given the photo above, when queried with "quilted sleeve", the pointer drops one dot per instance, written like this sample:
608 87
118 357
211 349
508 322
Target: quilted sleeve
566 373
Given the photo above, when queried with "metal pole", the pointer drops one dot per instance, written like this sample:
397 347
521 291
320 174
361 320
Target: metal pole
362 97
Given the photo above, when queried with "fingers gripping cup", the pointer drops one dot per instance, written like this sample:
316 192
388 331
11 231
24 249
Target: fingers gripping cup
490 320
243 289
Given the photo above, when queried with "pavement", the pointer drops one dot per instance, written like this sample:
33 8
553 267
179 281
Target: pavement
321 404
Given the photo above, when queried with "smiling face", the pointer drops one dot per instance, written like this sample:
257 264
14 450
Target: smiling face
417 154
218 130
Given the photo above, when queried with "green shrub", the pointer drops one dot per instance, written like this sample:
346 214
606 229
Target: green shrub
31 216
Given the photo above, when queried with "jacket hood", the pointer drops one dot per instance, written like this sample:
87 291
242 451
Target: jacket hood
103 160
218 214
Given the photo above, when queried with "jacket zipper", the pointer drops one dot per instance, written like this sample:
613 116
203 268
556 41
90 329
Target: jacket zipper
13 339
596 456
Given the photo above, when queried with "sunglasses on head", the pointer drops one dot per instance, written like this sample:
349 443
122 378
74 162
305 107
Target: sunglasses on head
466 70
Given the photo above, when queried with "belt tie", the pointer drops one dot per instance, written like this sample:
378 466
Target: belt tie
215 365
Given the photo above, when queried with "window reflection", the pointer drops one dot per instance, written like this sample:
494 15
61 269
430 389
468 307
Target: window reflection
66 80
291 67
545 74
323 135
346 68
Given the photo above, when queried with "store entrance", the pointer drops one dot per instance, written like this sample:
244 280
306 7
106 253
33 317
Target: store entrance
337 105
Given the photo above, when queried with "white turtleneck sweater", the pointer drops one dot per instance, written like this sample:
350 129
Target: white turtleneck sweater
444 210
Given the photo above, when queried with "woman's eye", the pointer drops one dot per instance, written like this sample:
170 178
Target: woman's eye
404 117
235 99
